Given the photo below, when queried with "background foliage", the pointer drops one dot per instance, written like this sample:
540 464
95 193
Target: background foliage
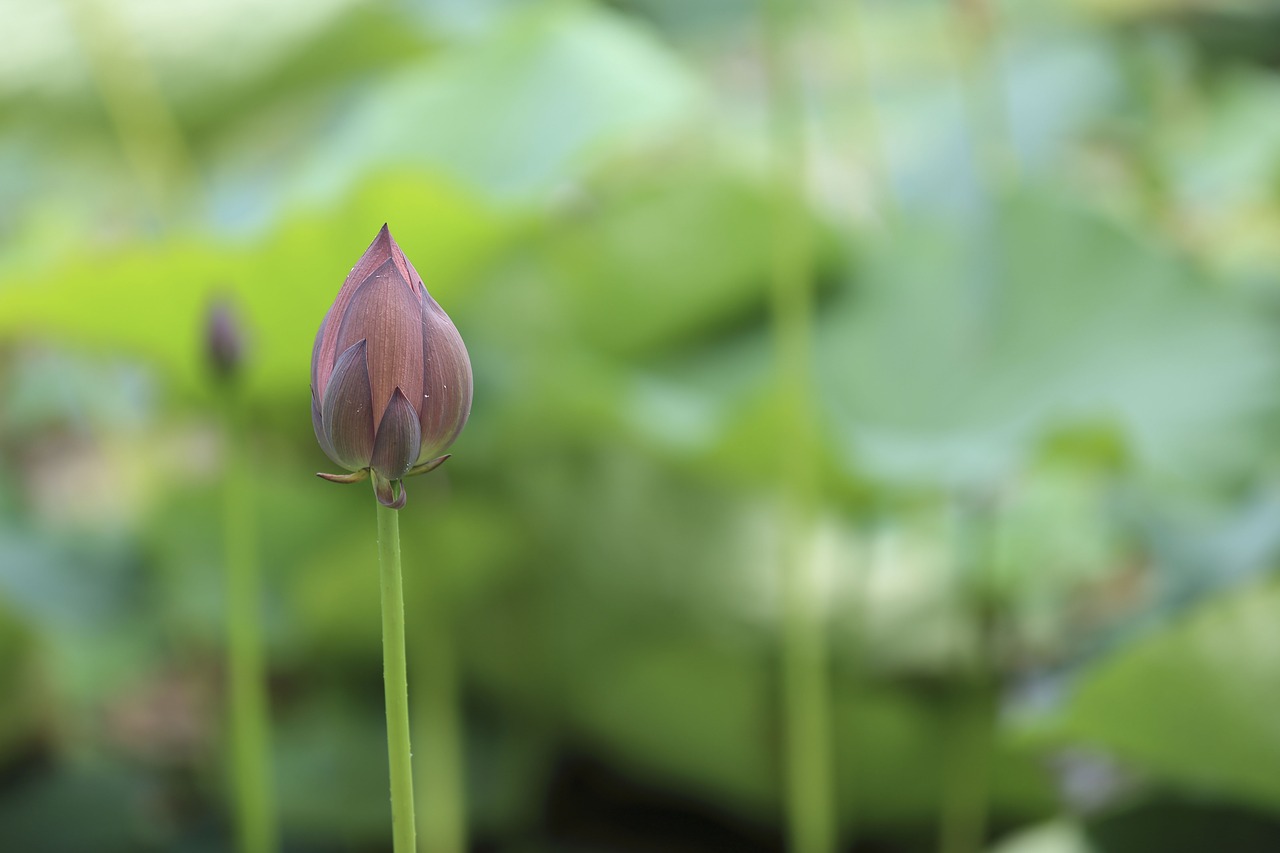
1047 244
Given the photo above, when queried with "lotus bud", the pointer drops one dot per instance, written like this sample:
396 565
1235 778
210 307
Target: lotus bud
390 376
223 339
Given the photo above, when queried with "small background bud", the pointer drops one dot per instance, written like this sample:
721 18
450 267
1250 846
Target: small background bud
224 338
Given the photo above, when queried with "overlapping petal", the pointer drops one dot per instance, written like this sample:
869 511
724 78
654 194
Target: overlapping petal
346 412
395 448
447 382
384 312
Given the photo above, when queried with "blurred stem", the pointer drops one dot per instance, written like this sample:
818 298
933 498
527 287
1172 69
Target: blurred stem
396 681
149 134
966 780
967 772
442 793
810 812
976 45
1153 105
250 726
872 136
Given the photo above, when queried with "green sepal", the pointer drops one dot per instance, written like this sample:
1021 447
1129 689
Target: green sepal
355 477
390 493
427 466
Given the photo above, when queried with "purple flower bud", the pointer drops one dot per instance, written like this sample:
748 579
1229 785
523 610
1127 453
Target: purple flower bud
223 339
390 376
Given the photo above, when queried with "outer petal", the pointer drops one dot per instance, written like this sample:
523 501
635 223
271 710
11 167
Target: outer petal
447 383
385 312
317 423
327 345
316 388
346 411
395 448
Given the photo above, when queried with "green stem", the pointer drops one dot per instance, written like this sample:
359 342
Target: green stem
255 814
396 680
971 739
977 46
150 136
872 136
806 692
441 795
809 796
967 780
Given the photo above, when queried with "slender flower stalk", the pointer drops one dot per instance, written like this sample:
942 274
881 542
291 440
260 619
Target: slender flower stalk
395 676
248 705
971 733
250 713
974 32
390 391
871 130
806 692
133 99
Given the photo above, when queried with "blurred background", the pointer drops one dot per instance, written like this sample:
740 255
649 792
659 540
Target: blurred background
1039 545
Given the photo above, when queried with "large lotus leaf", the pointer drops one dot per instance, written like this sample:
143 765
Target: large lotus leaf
958 351
516 113
895 113
184 44
648 267
1194 703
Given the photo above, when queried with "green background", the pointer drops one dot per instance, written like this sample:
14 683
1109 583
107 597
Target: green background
1045 359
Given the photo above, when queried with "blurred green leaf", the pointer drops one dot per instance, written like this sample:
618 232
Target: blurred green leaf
102 809
954 354
24 708
1209 678
149 300
331 770
518 114
642 269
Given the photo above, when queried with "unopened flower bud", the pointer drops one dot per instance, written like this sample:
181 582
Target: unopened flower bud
223 339
390 376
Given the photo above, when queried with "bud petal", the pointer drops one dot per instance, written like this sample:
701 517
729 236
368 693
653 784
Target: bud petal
317 423
346 412
384 312
395 448
446 385
317 389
